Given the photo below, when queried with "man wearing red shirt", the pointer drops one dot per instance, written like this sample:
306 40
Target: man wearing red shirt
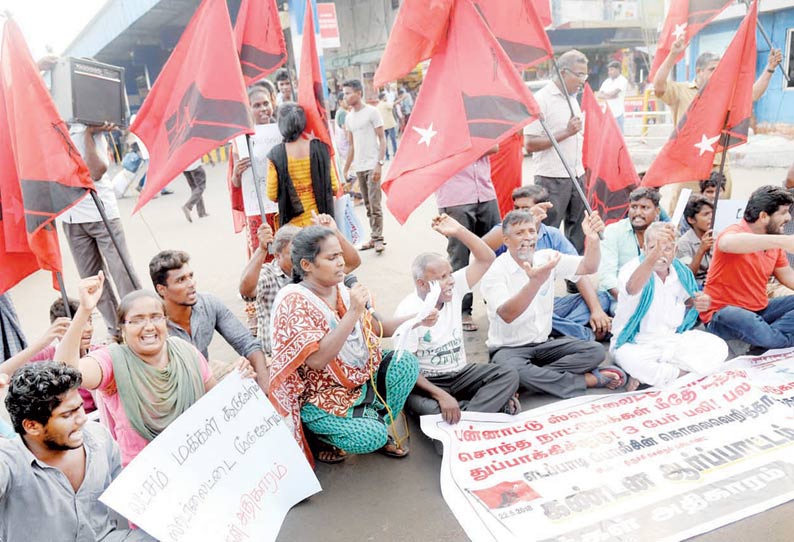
745 256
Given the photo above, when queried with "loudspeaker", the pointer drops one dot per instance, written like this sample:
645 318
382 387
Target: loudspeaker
89 92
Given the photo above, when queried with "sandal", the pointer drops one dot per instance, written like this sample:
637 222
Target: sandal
468 324
368 245
331 455
392 450
603 381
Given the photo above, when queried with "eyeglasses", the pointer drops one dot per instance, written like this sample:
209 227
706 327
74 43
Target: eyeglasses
581 75
140 321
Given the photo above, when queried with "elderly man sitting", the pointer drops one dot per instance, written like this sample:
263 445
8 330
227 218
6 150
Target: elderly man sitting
658 304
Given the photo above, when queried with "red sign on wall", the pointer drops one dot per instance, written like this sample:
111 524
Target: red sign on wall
329 26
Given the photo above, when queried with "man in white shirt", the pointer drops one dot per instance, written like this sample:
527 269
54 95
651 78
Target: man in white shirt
658 304
613 90
550 173
89 239
519 292
448 384
365 134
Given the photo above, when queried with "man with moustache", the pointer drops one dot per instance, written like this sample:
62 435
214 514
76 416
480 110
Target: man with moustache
623 240
658 304
196 317
519 291
745 256
448 383
52 474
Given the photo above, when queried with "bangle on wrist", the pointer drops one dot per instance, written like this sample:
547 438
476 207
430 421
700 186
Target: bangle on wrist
770 71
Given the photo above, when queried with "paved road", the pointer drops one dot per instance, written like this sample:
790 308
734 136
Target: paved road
370 497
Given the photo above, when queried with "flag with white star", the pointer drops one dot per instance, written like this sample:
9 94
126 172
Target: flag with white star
472 99
685 18
718 117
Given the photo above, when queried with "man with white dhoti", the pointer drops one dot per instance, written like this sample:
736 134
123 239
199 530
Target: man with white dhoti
658 304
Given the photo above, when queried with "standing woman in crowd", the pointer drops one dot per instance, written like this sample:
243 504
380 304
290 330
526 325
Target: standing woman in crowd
328 372
148 380
300 176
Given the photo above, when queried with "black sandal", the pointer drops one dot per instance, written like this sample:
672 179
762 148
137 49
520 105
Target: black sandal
392 450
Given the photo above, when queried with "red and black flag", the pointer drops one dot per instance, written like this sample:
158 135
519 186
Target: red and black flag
259 38
685 18
310 83
41 172
717 118
609 172
472 99
419 29
543 9
518 29
506 494
198 102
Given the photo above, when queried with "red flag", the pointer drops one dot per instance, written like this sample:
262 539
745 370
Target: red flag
198 102
685 18
543 9
719 116
471 99
518 29
259 38
310 82
41 171
506 494
609 172
506 170
420 26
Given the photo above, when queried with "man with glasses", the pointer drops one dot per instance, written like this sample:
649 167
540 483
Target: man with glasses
550 173
196 317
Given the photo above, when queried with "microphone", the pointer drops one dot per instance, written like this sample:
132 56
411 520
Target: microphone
349 281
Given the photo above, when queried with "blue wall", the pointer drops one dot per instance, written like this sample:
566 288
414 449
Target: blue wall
777 104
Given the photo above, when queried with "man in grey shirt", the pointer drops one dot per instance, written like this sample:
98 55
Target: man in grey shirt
695 247
196 317
52 474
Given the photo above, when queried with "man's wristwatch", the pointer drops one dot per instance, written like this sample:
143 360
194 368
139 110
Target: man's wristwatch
381 162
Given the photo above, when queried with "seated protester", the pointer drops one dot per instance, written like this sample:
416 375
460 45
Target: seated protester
708 187
653 337
694 249
745 256
195 317
326 356
146 382
519 292
43 349
52 475
774 288
448 384
583 316
623 239
261 281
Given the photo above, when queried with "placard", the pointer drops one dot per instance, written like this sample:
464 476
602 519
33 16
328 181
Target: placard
266 137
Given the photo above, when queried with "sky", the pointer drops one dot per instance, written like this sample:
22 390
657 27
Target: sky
50 23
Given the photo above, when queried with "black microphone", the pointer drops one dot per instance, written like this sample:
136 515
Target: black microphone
350 281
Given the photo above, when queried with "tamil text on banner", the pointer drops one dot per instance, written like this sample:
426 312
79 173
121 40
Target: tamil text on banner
227 469
654 465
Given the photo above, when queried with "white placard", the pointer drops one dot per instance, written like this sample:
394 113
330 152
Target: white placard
266 137
227 469
683 198
729 212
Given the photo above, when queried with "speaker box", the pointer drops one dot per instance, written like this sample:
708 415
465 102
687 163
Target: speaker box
89 92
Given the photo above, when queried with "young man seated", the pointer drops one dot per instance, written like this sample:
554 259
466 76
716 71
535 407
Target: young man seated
519 291
745 256
708 187
586 315
658 304
623 240
448 384
195 317
52 475
694 248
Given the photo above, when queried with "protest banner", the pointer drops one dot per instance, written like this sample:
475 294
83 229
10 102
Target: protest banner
227 470
653 465
266 137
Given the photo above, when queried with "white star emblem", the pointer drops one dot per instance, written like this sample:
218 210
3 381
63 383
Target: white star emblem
680 31
426 134
706 144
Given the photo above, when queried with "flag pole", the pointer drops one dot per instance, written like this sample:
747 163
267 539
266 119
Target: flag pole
566 165
127 267
565 91
720 172
768 41
62 288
